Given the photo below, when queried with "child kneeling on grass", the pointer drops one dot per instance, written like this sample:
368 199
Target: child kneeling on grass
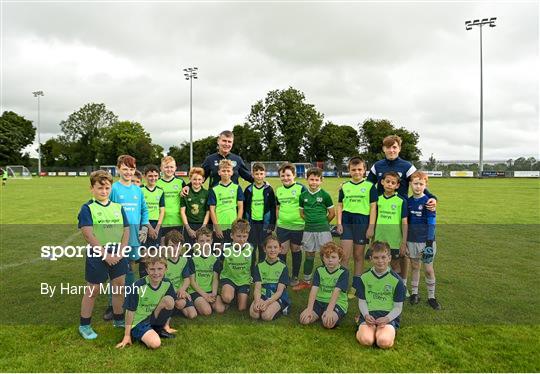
149 306
380 293
178 272
271 278
328 297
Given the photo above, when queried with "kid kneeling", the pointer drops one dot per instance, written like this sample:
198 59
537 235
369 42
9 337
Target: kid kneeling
178 272
149 306
380 293
328 297
235 275
271 278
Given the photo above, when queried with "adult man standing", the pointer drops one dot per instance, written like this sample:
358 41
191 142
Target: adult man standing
210 164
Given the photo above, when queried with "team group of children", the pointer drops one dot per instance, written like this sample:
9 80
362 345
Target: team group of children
221 242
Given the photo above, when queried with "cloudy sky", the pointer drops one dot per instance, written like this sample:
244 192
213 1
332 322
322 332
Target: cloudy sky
411 62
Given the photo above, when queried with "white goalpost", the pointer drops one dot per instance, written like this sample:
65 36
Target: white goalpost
18 172
110 168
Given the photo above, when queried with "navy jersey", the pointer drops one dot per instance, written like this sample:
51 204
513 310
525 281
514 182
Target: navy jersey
421 220
211 166
402 167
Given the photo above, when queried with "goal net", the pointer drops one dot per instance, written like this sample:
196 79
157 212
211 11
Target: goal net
18 172
110 168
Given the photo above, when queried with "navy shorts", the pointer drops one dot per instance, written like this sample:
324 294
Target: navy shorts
295 236
377 314
395 254
319 308
237 289
188 302
354 227
98 271
140 329
194 296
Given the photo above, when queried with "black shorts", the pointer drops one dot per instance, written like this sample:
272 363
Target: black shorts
98 271
295 236
258 233
354 227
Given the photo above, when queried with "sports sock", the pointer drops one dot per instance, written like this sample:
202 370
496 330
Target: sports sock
308 267
162 318
414 282
405 282
430 283
85 321
118 317
296 263
130 278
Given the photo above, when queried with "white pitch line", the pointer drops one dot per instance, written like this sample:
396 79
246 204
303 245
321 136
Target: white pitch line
33 261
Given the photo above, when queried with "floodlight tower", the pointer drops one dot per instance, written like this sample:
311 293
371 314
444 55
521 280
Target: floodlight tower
468 26
190 74
38 94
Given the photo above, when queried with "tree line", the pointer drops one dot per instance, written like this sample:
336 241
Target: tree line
282 126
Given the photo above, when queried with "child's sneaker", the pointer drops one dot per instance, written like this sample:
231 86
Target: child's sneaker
414 299
294 282
302 286
119 323
434 304
87 332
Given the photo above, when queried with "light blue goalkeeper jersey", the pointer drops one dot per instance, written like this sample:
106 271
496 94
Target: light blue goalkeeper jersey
132 200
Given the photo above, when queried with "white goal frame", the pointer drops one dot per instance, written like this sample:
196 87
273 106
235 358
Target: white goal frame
18 172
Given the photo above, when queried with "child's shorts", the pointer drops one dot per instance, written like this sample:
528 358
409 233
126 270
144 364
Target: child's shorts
188 302
394 323
98 271
237 289
417 249
313 241
284 306
138 331
355 227
319 308
295 236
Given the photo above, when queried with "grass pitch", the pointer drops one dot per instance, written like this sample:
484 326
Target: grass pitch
487 270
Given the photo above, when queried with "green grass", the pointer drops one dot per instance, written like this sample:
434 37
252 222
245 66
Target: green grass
487 270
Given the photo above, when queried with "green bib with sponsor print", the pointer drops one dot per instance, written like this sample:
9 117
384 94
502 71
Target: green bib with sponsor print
257 204
226 204
289 207
108 222
270 275
237 268
388 228
172 190
174 271
149 300
379 291
204 272
356 197
327 284
152 198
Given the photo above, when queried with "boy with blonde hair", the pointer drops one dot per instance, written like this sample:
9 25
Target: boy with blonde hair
172 188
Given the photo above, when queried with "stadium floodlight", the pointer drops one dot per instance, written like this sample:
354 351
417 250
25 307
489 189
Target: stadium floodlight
38 94
190 74
468 26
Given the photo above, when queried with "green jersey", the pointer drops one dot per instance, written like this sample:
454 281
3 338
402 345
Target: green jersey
196 205
203 268
237 268
172 190
144 299
390 211
315 206
288 200
155 199
177 271
271 275
225 199
328 282
257 203
357 197
107 221
379 291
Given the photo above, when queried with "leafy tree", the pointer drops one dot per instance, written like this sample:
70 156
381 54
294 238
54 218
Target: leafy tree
247 143
16 133
432 163
339 142
127 137
84 126
201 148
372 132
282 121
